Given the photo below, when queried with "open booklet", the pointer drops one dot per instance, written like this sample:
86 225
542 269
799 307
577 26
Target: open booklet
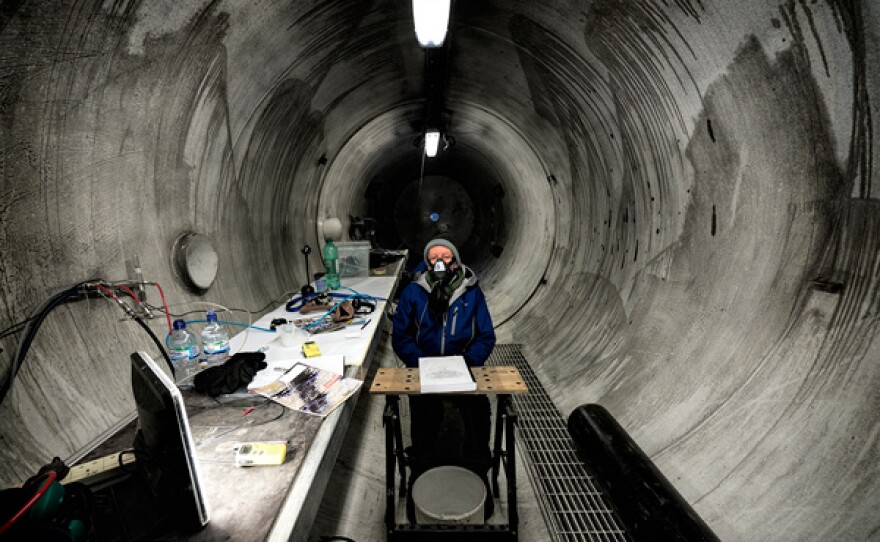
309 389
276 365
447 374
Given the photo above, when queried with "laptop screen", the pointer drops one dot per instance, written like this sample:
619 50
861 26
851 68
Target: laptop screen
164 447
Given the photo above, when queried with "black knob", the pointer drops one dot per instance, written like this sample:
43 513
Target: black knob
306 250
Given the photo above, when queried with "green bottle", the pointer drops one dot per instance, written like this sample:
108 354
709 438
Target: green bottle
330 255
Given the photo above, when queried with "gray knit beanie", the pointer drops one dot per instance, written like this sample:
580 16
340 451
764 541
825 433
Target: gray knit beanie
440 243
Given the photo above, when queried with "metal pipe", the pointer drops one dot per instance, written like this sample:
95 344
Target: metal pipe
646 501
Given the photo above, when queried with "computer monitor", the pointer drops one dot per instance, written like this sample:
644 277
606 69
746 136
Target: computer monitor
164 446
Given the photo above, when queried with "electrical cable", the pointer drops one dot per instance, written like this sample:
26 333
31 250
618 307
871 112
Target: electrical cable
360 294
131 293
37 316
111 293
234 427
11 329
153 336
227 322
197 311
32 323
292 304
319 321
221 307
231 309
119 457
293 307
250 314
50 478
164 304
140 322
356 294
276 300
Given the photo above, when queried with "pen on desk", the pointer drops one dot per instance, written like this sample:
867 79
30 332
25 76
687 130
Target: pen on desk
365 324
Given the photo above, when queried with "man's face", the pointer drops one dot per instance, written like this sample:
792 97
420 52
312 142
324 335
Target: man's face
439 253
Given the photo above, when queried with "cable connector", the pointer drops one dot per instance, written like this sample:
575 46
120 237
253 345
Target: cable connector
107 291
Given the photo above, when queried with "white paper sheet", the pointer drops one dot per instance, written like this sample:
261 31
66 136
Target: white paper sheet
447 374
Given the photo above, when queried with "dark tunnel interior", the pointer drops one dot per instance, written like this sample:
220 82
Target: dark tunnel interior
458 198
674 206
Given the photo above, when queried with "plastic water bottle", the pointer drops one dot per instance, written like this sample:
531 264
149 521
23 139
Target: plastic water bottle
183 349
330 255
215 341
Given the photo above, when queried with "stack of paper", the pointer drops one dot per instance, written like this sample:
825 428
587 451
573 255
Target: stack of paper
445 375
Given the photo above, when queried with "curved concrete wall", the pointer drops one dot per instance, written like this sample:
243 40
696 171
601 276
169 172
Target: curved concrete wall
677 177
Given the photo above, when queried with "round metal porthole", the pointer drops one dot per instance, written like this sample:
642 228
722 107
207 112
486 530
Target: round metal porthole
195 260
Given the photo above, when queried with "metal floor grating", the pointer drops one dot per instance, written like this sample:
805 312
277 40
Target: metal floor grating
574 507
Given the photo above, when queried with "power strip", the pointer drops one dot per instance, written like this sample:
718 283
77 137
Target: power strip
99 469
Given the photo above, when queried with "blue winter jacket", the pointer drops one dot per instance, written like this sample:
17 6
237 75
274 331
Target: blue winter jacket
464 330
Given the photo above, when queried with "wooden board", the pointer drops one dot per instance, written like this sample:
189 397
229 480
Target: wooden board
490 380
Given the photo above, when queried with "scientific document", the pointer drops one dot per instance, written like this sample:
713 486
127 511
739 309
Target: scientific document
447 374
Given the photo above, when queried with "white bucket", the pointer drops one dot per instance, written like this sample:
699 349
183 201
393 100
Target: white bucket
449 495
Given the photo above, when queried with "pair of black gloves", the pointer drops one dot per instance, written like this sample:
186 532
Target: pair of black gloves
235 372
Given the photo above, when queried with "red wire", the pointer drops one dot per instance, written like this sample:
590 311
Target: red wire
127 290
50 477
107 291
164 304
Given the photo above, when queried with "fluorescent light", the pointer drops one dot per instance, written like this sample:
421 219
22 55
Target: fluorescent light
431 18
432 140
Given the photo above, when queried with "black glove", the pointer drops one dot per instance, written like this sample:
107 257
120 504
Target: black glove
236 372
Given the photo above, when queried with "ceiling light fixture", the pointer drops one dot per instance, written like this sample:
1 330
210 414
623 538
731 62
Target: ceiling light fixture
431 19
432 141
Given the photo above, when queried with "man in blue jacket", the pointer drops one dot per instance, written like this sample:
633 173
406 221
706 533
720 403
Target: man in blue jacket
443 312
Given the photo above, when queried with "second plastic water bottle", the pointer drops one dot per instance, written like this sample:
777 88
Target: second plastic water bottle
183 349
330 255
215 341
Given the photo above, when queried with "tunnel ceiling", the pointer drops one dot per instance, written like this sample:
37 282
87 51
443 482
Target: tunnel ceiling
671 204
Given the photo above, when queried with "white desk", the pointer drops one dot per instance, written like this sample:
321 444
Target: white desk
354 348
280 502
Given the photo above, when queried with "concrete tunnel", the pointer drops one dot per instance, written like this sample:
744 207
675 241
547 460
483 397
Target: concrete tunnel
672 206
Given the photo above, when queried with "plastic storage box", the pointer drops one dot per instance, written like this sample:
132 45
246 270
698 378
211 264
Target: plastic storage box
354 259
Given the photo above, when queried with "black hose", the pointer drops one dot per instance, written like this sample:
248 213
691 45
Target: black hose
34 325
14 328
155 340
30 333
